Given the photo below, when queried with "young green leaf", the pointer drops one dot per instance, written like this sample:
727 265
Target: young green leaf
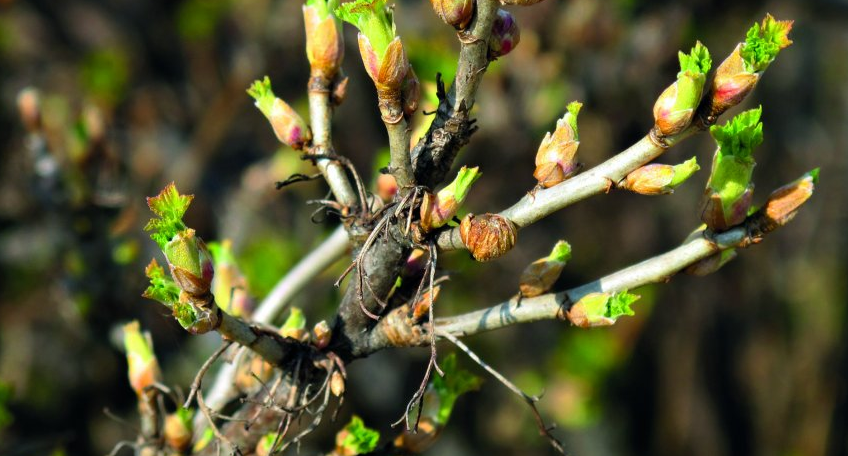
619 304
455 383
764 42
170 207
162 288
360 439
372 18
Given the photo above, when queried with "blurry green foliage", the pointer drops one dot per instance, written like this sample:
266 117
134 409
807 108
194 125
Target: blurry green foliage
197 19
6 417
266 258
125 252
104 75
430 55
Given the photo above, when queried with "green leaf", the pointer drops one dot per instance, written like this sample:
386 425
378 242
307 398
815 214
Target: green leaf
740 135
684 171
162 288
764 42
455 383
571 117
296 320
373 19
360 439
185 314
619 304
698 60
263 95
561 252
170 206
6 417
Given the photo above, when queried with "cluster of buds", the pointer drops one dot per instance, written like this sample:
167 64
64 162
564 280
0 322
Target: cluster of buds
143 366
556 159
487 236
505 35
729 190
229 285
456 13
324 40
437 210
783 203
540 275
188 291
659 179
600 309
675 107
287 124
384 57
741 71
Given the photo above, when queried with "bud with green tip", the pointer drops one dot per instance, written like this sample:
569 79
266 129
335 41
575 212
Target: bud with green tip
190 262
324 40
178 429
505 35
288 126
676 106
438 209
487 236
658 179
601 309
381 49
540 275
456 13
556 159
143 367
229 285
729 190
741 71
295 325
783 203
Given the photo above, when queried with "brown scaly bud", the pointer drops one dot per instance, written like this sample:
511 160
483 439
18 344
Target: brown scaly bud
556 159
190 263
422 306
337 384
659 179
387 187
321 335
540 275
288 126
783 203
438 209
324 40
410 92
505 35
337 96
711 264
178 429
29 109
456 13
487 236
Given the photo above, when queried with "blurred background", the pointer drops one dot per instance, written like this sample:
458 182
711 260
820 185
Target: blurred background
751 360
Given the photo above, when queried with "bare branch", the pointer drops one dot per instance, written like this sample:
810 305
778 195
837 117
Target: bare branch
320 114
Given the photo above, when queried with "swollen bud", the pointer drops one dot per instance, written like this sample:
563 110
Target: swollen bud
324 41
658 179
487 236
505 35
337 384
321 334
600 309
295 325
190 262
143 367
229 285
741 71
675 107
783 203
729 191
540 275
438 209
456 13
556 159
287 124
178 429
387 187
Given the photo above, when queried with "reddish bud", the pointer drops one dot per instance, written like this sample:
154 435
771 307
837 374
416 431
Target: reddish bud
487 236
387 187
732 83
505 35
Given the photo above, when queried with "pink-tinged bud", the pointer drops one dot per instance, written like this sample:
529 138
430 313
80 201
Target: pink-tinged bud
712 263
415 264
321 335
487 236
410 92
324 41
732 83
288 126
143 368
178 430
190 262
337 384
422 307
29 109
505 35
721 217
387 70
659 179
675 108
539 276
437 210
387 187
556 159
456 13
783 203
